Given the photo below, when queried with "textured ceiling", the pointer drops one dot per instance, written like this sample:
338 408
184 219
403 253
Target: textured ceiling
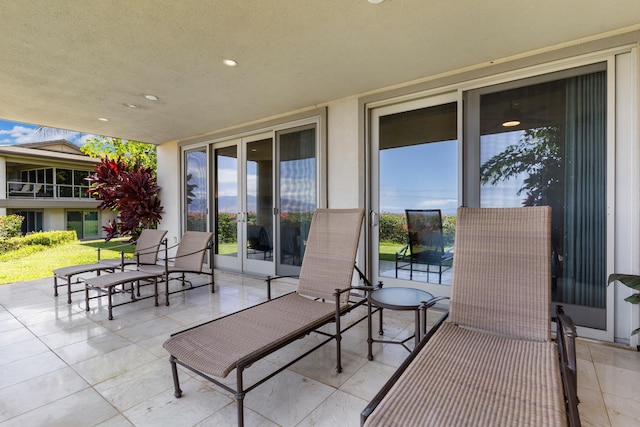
66 63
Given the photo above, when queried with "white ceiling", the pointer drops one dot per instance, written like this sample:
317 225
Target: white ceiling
66 63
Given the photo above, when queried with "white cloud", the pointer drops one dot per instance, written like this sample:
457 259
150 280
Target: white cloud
19 134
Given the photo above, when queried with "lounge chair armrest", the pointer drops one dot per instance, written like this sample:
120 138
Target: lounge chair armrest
270 278
432 302
115 247
367 288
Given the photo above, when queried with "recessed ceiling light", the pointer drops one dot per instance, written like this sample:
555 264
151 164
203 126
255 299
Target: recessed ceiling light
102 119
375 1
230 62
131 105
151 97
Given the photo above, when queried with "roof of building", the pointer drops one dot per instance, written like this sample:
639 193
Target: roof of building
61 150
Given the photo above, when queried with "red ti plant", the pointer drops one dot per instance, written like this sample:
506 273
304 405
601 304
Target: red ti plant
129 190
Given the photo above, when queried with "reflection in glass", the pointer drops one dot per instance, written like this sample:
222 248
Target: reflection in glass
226 201
196 190
297 193
418 170
259 201
555 156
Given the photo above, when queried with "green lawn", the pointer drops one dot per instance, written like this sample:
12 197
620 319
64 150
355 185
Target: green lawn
388 251
21 266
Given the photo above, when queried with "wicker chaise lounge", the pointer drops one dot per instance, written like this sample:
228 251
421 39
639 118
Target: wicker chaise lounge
146 251
189 259
492 362
236 341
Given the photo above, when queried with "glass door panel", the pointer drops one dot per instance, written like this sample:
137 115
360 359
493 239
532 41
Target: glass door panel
196 190
258 206
414 175
227 207
297 171
545 144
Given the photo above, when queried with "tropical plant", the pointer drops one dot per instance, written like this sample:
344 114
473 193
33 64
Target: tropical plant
539 155
633 282
131 191
132 153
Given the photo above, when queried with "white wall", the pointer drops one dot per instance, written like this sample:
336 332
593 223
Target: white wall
53 219
169 178
345 162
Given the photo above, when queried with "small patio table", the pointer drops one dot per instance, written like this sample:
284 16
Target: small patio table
397 299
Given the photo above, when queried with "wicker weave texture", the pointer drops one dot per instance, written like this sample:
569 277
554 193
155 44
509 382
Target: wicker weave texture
191 251
147 248
216 348
468 378
330 253
502 271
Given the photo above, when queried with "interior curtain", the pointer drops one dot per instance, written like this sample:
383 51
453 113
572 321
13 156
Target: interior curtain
584 257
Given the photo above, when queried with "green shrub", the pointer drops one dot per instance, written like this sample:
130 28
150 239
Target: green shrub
449 230
42 239
50 238
393 228
10 226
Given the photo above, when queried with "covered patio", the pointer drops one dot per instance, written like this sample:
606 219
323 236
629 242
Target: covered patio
60 365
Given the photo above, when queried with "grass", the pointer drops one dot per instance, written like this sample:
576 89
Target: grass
387 251
32 263
26 264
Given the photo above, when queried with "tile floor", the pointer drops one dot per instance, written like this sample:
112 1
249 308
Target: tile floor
62 366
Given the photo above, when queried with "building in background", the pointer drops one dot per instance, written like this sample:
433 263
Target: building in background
45 183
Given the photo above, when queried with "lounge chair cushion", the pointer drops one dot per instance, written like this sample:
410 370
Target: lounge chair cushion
216 348
465 377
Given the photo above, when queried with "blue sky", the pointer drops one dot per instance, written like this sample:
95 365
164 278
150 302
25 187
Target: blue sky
12 133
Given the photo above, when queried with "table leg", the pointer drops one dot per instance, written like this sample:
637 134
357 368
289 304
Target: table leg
416 327
369 332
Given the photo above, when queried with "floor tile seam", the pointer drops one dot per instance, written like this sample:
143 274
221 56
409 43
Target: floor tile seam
50 403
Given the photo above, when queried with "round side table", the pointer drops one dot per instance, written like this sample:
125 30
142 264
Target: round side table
397 299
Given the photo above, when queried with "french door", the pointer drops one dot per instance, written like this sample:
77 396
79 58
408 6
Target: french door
265 193
243 204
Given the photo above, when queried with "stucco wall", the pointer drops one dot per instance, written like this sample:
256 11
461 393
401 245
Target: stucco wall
345 164
169 179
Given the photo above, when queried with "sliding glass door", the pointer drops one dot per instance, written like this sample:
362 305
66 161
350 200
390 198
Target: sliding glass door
543 141
414 175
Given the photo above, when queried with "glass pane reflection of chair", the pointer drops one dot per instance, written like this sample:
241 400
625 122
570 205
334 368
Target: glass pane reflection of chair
290 245
424 251
258 241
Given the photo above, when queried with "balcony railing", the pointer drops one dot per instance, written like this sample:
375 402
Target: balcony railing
35 190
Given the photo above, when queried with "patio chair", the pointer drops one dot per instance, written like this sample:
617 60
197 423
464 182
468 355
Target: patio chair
425 244
146 251
258 241
492 361
240 339
189 258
